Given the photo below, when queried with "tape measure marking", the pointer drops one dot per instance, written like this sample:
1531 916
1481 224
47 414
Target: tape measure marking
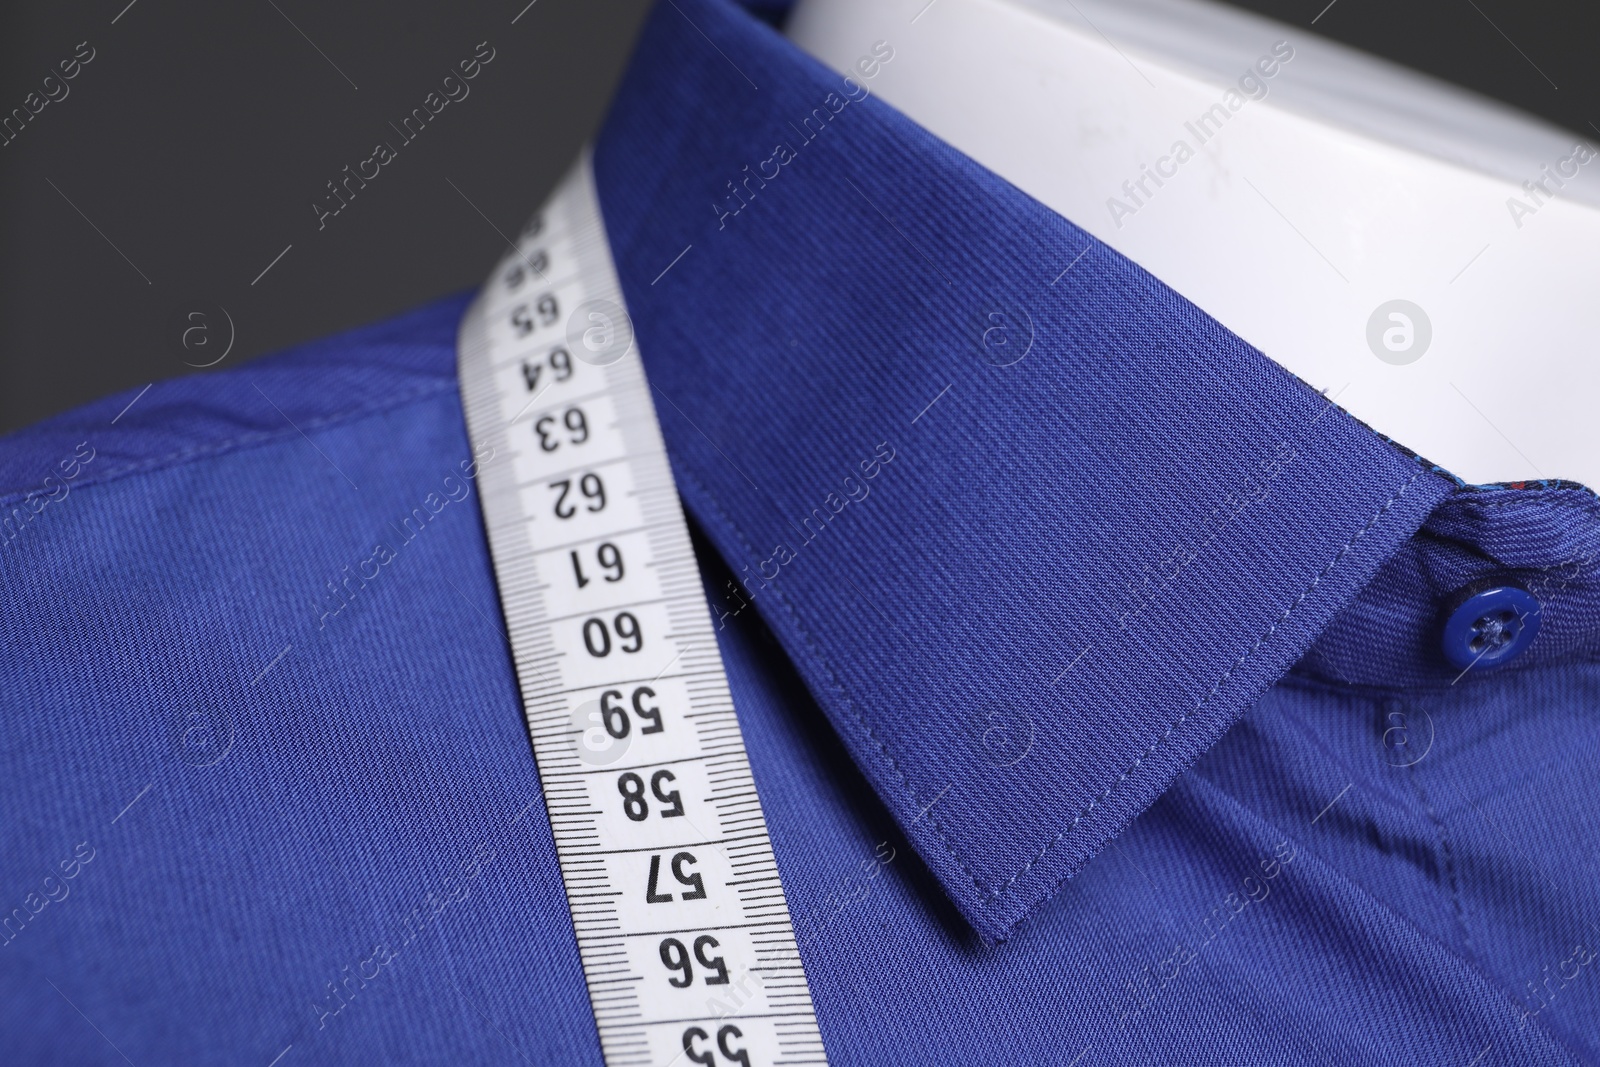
681 922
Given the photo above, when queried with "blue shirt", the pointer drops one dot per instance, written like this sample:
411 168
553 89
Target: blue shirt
1090 664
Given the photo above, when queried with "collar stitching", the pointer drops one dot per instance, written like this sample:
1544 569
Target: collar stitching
987 897
1295 604
984 893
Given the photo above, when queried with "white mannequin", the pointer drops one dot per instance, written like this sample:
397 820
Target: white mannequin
1311 198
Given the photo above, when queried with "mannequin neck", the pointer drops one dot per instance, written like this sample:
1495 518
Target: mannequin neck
1367 228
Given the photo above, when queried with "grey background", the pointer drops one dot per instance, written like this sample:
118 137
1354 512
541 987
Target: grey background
187 154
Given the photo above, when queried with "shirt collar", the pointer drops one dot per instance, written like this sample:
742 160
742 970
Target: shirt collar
1034 529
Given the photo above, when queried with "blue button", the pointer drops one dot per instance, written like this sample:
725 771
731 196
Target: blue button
1491 627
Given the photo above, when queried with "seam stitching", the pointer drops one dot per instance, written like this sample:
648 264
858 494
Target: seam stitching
242 442
1449 860
1588 504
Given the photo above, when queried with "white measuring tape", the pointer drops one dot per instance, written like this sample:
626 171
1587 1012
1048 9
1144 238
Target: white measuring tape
681 921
